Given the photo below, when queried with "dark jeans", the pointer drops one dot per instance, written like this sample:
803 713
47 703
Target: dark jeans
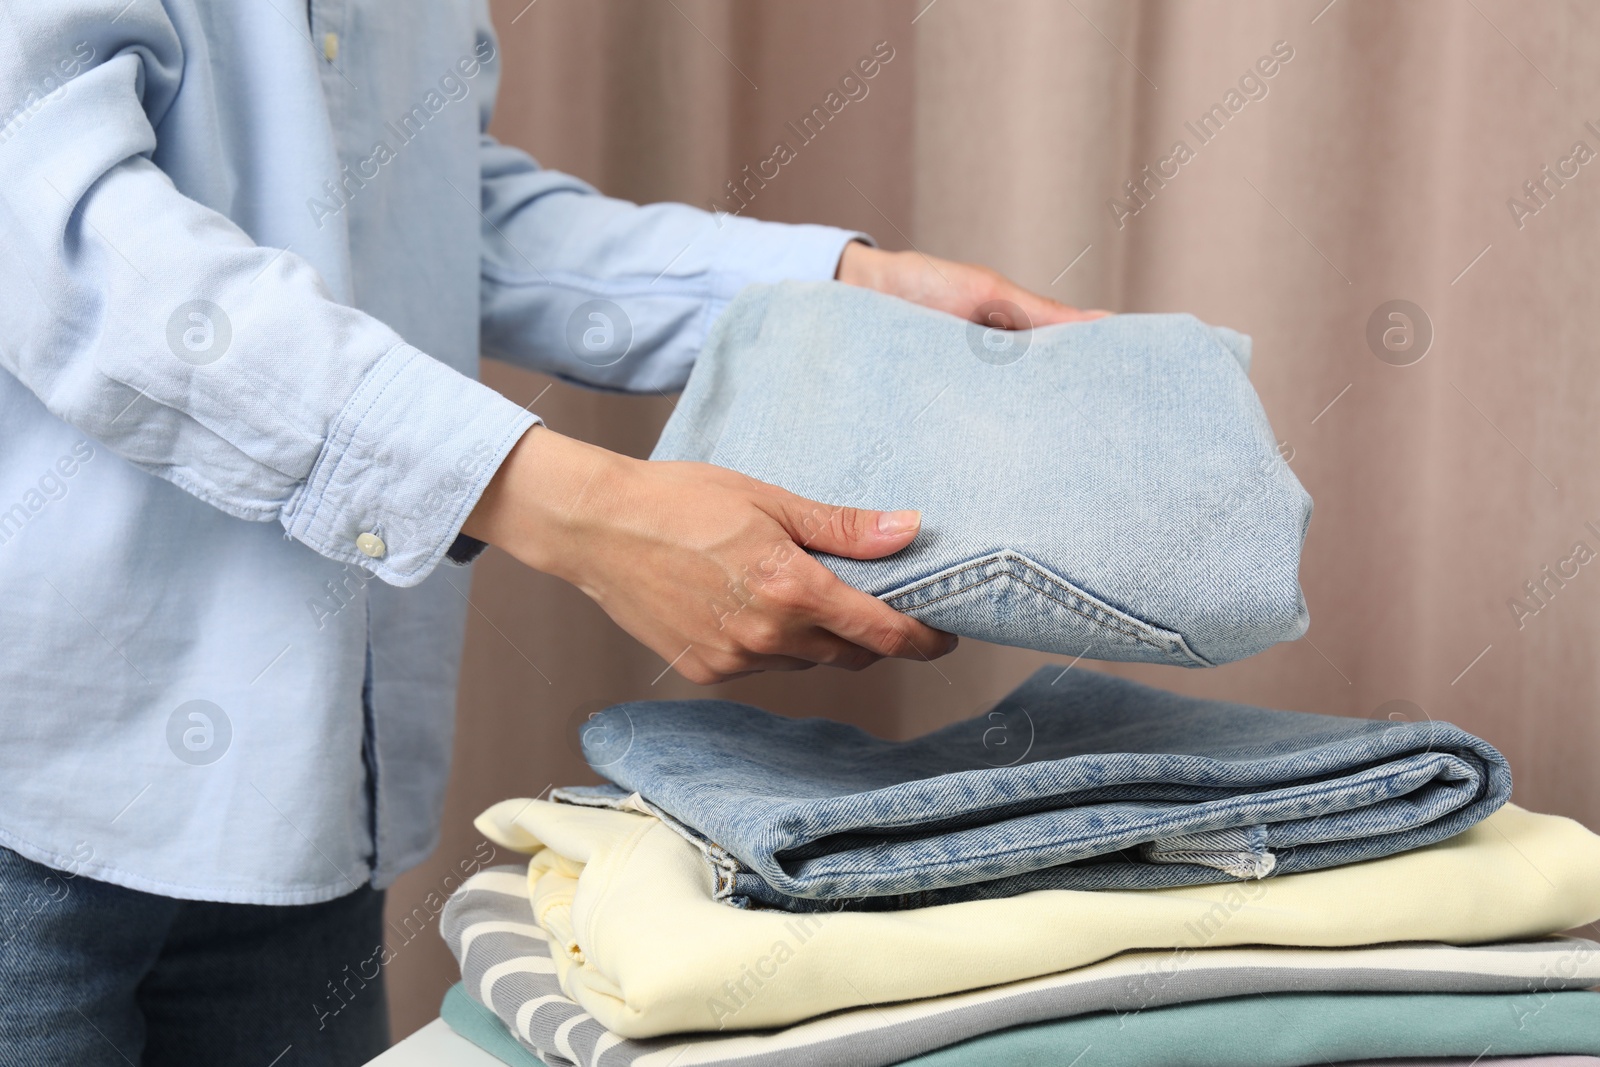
94 974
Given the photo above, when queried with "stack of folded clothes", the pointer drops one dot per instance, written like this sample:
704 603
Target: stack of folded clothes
1093 873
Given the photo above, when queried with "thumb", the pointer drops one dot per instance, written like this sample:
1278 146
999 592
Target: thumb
841 531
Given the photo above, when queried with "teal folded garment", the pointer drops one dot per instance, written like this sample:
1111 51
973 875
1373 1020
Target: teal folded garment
480 1026
1279 1030
1297 1030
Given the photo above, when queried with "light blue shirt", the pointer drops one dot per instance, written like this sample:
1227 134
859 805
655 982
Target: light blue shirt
250 253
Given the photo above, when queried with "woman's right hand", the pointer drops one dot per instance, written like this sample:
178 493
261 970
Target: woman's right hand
705 566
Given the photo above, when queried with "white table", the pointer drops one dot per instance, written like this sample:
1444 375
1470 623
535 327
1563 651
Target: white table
436 1045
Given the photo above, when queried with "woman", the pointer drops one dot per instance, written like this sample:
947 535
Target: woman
252 253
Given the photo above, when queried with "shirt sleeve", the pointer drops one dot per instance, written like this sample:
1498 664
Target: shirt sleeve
612 294
158 327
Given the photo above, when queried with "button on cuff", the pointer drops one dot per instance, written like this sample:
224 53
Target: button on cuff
371 545
404 461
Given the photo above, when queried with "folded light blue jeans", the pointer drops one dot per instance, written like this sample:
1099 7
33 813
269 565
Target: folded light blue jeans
1075 780
1109 489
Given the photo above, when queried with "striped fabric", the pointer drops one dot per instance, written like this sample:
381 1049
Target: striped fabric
506 966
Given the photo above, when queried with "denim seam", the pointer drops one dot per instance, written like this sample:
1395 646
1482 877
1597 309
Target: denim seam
725 866
910 821
1172 649
1142 638
1001 558
1088 840
1176 640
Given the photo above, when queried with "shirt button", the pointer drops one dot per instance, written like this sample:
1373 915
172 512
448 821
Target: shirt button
371 545
330 47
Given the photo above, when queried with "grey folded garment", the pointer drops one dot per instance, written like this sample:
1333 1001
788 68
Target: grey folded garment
1108 489
506 969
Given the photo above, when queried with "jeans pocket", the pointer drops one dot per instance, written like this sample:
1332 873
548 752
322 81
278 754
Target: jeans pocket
1009 599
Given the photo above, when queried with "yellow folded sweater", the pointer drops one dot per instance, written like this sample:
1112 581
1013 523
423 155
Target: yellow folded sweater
639 943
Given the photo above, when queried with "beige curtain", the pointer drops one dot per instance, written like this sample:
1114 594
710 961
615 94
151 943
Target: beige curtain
1386 157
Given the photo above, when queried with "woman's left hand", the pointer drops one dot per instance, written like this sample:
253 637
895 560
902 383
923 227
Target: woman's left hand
965 289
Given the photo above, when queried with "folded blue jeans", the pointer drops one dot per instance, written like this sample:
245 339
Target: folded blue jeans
1106 489
1075 780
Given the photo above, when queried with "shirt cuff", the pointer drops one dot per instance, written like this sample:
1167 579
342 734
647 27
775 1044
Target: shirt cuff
754 252
402 467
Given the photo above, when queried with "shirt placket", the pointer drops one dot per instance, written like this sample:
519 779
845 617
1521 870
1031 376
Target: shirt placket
326 21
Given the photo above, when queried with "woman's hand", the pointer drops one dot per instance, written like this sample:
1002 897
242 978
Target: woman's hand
707 567
963 289
703 565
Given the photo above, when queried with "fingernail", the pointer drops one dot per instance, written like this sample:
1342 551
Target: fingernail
892 523
1099 313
